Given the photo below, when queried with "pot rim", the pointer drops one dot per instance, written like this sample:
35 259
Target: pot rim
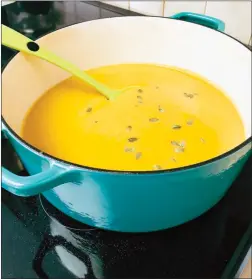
188 167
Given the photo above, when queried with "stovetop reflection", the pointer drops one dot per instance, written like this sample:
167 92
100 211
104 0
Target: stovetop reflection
102 254
83 250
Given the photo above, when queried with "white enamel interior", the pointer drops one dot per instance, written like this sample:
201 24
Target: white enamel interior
217 57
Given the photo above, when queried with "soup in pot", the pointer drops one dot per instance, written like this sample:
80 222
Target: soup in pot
172 119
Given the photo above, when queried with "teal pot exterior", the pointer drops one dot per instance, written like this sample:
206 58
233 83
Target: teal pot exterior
121 201
127 201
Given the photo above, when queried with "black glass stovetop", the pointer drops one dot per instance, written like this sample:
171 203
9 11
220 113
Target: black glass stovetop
38 241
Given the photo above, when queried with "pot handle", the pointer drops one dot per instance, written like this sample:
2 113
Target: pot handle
32 185
200 19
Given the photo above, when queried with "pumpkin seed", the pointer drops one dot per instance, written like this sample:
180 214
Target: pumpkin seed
132 139
189 122
182 144
189 95
154 119
202 140
176 127
129 149
89 109
129 128
138 155
179 149
160 109
157 167
179 144
176 143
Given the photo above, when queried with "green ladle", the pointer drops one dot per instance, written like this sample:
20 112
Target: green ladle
15 40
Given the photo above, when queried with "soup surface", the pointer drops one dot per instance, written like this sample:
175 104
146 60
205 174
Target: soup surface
171 119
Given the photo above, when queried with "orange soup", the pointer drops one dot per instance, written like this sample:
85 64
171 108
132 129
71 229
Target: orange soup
171 119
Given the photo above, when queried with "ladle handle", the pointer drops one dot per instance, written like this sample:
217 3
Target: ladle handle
15 40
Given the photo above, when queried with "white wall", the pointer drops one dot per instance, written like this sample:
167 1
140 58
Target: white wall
235 14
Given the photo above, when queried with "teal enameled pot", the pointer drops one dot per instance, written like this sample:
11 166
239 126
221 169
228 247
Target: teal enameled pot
129 201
